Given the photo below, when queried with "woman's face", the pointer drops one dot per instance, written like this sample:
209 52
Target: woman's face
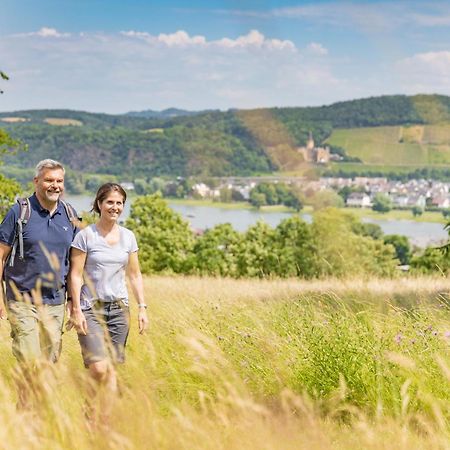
112 206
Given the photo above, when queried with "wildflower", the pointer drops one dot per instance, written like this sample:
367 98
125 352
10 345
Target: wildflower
413 341
447 334
398 338
435 333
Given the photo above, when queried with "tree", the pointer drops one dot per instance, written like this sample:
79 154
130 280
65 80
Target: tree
401 245
165 239
417 211
372 230
257 199
255 255
9 190
432 261
225 195
141 186
343 253
382 203
293 201
3 76
326 199
216 251
295 249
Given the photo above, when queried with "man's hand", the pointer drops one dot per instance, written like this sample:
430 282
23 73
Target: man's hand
142 320
3 313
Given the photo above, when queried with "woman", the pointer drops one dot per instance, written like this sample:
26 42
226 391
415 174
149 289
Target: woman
104 252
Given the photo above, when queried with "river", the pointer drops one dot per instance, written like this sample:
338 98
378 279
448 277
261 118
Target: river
421 234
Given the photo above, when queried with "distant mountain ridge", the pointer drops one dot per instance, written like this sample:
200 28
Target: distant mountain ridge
176 142
165 113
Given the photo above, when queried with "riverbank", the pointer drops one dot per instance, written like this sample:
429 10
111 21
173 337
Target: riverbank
421 231
361 213
394 214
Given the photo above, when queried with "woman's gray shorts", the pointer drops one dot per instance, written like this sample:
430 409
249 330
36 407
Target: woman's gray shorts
108 324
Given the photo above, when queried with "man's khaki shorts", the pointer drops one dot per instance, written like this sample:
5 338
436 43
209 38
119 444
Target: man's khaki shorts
36 331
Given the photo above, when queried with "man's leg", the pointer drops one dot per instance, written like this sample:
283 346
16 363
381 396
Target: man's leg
51 319
26 348
23 319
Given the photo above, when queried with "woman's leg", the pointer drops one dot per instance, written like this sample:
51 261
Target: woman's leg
102 388
102 392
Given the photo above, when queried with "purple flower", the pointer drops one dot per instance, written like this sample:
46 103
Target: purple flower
398 338
447 334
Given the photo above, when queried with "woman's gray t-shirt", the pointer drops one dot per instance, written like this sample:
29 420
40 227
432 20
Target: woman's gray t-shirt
104 271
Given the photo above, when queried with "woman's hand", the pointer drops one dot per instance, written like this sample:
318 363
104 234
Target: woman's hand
78 320
142 320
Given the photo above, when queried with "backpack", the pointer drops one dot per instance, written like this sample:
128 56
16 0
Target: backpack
24 217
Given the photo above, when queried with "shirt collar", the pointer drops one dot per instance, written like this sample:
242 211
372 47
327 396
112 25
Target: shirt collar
35 203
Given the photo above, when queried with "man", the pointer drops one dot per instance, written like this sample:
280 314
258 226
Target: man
36 284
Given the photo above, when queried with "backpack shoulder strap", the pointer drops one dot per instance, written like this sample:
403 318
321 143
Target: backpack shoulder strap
24 217
71 214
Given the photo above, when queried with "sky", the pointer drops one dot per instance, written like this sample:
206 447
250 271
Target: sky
116 56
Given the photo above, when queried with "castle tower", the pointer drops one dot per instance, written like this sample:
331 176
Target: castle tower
310 144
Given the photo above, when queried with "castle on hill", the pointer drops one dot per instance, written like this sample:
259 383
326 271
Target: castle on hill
313 154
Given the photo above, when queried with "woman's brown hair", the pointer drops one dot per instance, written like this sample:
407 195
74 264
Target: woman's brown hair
104 191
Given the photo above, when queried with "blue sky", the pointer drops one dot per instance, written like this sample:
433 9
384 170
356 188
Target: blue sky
117 56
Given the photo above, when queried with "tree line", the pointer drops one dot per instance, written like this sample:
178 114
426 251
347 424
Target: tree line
211 143
335 244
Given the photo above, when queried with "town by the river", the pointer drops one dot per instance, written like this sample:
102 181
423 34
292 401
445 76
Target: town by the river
200 217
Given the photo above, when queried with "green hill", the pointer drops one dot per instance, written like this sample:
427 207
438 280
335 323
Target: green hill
396 131
396 146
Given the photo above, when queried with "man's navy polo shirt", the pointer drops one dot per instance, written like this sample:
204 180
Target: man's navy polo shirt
43 235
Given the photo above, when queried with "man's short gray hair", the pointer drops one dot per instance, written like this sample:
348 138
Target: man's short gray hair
48 164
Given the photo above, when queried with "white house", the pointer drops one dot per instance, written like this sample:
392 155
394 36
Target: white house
400 200
359 200
202 190
440 201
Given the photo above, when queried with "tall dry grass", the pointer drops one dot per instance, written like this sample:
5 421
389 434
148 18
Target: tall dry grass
283 364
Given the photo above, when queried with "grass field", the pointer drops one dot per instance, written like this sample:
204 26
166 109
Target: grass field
63 122
14 119
239 364
396 146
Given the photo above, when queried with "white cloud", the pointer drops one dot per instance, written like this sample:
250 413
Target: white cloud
386 15
45 32
135 70
50 32
180 38
254 39
425 72
315 48
433 66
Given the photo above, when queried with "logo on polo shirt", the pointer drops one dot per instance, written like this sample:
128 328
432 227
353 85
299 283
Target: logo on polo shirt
65 228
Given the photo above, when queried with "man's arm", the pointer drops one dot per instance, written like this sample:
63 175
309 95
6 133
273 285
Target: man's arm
5 250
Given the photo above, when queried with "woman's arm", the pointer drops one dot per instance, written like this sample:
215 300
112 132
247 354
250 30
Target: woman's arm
77 262
137 286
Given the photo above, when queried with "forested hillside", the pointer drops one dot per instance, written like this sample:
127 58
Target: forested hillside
212 143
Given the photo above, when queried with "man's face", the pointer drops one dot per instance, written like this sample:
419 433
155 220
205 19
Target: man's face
49 185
